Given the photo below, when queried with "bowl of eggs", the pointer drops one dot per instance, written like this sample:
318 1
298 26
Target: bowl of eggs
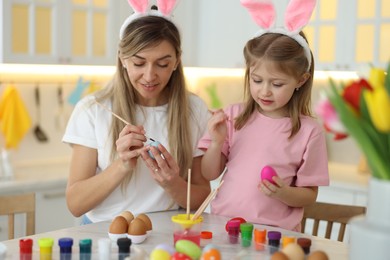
125 225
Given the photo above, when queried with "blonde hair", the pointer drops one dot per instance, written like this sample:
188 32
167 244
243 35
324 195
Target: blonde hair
142 33
289 57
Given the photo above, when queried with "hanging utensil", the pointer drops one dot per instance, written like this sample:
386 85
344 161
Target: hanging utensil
38 132
60 119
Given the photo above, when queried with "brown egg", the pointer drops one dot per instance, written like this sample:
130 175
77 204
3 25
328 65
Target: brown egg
119 225
127 215
146 220
279 256
137 227
318 255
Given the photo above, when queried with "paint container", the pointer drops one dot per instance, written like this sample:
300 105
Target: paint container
85 249
45 248
246 234
233 227
65 245
123 248
305 243
274 241
25 249
260 239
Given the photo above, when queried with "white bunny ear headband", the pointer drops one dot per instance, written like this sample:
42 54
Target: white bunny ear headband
296 17
142 8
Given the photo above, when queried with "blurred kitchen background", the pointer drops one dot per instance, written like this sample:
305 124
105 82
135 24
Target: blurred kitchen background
67 49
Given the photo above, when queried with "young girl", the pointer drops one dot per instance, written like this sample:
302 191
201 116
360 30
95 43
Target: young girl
111 170
273 127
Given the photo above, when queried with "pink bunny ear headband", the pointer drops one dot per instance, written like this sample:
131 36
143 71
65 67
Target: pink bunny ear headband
296 17
142 8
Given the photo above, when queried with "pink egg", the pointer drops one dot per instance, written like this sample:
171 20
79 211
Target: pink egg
267 173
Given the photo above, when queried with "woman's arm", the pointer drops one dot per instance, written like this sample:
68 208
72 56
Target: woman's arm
83 182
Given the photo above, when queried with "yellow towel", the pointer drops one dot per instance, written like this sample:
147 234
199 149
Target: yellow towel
14 118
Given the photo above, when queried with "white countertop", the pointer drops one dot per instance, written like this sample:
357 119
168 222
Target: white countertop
33 177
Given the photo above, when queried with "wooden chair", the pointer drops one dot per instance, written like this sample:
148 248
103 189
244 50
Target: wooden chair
330 213
11 205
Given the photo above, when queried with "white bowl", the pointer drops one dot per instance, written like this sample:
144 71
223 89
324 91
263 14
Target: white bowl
115 237
137 239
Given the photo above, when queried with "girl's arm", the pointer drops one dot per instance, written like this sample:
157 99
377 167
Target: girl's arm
213 161
292 196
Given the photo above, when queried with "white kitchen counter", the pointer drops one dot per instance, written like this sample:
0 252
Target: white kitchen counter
34 177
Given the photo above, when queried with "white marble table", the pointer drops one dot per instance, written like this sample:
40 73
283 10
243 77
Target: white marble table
162 233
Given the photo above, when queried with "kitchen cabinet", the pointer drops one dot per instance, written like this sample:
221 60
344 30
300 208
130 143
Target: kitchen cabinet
343 35
59 32
350 34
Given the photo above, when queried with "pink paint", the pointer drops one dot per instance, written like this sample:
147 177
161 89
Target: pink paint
267 173
187 235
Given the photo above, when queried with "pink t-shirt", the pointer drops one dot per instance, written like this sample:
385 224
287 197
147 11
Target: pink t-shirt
301 161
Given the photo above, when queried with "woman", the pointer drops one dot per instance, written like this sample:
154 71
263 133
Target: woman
111 169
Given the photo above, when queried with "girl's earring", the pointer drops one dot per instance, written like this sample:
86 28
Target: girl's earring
296 89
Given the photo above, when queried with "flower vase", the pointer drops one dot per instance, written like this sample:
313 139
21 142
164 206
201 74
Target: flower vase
370 234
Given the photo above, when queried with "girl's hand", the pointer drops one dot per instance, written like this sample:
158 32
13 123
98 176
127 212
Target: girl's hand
276 190
217 126
130 144
163 168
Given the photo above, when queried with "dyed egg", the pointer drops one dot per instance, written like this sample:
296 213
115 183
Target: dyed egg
155 144
166 247
267 173
242 220
180 256
294 252
189 248
279 256
137 227
160 254
146 220
318 255
127 215
118 226
211 254
208 247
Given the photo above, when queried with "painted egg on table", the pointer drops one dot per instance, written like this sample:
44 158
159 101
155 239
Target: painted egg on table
166 247
279 256
119 225
318 255
242 220
181 256
160 254
267 173
294 252
189 248
211 254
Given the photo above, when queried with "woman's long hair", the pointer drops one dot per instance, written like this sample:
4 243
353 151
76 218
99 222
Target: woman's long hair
142 33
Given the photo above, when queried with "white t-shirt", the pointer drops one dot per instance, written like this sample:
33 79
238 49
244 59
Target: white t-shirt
89 126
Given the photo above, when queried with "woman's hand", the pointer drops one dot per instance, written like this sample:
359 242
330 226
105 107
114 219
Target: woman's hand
217 126
130 144
163 168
